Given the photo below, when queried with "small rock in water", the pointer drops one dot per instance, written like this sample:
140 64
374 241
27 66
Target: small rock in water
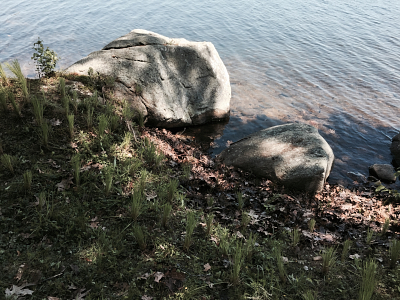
384 172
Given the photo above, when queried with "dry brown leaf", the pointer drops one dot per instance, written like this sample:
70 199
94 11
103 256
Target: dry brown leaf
20 272
158 276
207 267
64 184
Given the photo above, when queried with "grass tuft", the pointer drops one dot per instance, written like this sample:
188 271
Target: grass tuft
368 282
71 125
370 235
237 263
394 253
76 166
3 100
346 249
28 180
38 109
311 225
279 262
14 104
385 226
295 235
239 197
165 214
136 204
8 162
328 260
209 223
15 67
3 76
45 133
190 225
139 236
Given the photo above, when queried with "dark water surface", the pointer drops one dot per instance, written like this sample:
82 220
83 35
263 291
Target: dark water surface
334 64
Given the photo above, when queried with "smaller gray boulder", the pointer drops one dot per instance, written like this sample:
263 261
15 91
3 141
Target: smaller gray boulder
395 149
294 155
384 172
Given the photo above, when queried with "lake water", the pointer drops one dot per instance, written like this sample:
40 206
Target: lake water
334 64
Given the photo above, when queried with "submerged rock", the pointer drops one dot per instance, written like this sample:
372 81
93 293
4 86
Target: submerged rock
294 155
384 172
173 82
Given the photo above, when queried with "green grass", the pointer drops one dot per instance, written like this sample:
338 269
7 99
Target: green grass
3 76
368 280
15 68
64 212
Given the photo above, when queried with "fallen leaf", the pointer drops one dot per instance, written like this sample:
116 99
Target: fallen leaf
52 298
355 256
20 272
158 276
207 267
64 184
145 297
214 239
55 122
285 259
239 235
144 276
18 291
317 258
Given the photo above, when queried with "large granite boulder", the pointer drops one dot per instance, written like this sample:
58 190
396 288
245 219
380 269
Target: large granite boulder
173 82
294 155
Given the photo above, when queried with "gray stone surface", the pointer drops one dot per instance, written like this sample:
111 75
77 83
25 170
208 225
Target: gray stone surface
395 149
384 172
294 155
174 82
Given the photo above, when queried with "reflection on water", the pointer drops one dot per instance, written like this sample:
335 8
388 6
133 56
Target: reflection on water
332 64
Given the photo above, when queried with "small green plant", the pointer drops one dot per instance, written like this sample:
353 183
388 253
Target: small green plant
139 236
134 166
45 59
295 234
89 117
237 263
114 122
311 225
385 226
76 166
126 142
140 119
394 253
328 260
3 76
38 109
41 200
370 235
8 161
346 249
239 197
45 133
279 261
368 282
210 201
190 225
103 124
74 101
15 67
108 181
28 180
250 246
172 188
71 125
309 295
165 214
65 102
3 100
61 87
142 181
136 204
14 104
224 241
209 223
245 220
186 169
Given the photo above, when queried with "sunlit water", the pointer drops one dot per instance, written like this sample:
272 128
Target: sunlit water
334 64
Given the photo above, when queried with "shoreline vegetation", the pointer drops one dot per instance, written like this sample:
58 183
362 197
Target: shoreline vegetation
94 205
